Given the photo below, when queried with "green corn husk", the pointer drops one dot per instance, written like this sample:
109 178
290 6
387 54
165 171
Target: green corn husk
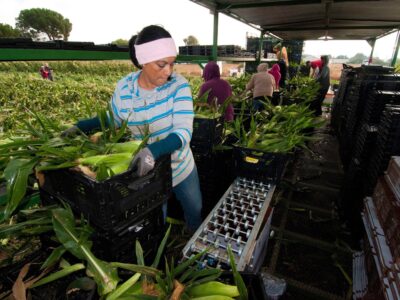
213 288
213 297
126 147
119 168
106 160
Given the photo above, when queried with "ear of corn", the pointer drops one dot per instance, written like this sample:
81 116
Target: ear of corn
213 297
119 168
127 147
214 288
107 160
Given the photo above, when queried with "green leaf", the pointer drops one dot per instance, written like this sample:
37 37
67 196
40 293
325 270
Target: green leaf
150 271
105 276
161 247
139 253
237 277
16 173
123 287
59 274
182 266
54 257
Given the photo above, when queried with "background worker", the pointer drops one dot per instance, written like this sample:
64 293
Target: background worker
323 78
43 72
316 66
283 61
157 99
262 84
275 71
218 88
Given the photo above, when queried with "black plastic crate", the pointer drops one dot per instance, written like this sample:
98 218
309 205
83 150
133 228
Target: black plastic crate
113 203
207 132
256 164
149 230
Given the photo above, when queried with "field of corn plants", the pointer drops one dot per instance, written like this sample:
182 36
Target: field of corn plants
35 111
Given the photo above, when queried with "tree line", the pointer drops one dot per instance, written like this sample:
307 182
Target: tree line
38 24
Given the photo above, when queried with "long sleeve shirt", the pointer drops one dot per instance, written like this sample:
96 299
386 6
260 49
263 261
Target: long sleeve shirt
164 110
262 84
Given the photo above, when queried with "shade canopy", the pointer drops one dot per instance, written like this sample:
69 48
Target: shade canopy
312 19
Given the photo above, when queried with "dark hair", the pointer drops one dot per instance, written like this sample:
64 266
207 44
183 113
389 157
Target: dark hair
147 34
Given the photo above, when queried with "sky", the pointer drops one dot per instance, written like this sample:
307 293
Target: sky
103 21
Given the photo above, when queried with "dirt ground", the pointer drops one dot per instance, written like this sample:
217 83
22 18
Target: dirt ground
195 70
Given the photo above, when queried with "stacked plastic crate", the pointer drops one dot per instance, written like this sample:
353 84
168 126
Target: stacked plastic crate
340 98
241 218
387 145
366 125
121 209
381 218
213 165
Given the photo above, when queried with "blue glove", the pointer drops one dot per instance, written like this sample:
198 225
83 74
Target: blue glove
143 161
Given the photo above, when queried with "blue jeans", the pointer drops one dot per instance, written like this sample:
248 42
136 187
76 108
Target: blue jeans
257 104
189 196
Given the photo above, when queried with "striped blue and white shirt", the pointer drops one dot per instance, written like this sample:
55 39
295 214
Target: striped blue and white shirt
164 110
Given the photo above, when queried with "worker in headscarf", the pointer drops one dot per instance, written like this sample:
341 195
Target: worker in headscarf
275 71
217 88
262 84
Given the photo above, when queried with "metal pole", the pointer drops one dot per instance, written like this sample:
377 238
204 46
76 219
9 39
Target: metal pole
396 50
215 36
260 47
371 42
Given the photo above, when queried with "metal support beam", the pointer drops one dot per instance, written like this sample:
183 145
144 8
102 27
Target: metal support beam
371 42
260 47
366 27
396 50
222 7
327 17
215 36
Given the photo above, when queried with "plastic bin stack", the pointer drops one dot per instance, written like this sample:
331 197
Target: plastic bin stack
365 120
213 166
206 50
339 100
259 165
242 216
383 272
381 218
121 209
387 145
361 94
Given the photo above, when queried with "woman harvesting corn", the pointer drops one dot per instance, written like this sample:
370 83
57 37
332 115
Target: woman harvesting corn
157 99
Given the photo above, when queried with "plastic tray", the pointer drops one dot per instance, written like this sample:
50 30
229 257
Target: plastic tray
121 247
206 132
114 203
256 164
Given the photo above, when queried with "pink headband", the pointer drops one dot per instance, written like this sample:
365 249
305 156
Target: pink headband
155 50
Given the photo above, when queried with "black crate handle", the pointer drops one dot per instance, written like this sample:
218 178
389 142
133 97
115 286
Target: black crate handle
141 181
